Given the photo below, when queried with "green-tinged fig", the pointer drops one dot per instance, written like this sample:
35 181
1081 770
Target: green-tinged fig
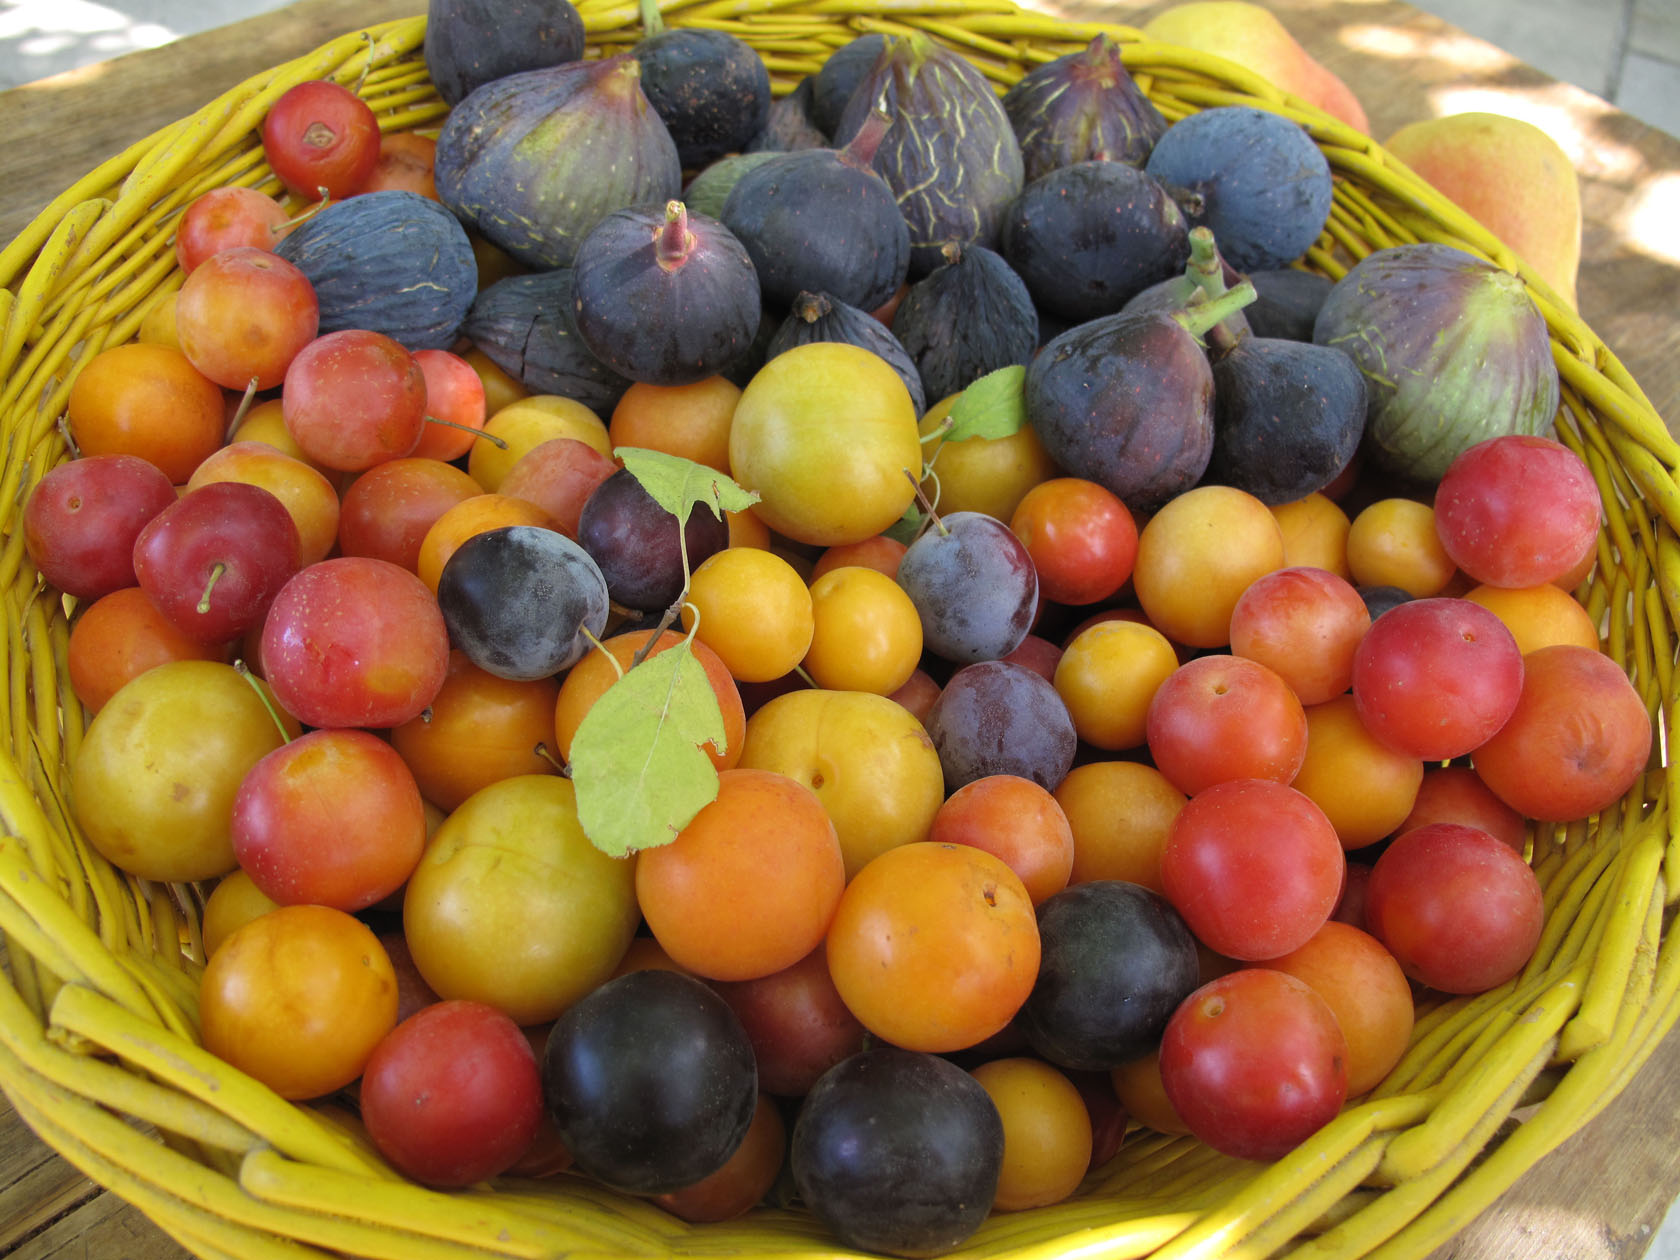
524 325
822 221
534 160
471 42
1088 237
709 189
1453 351
824 317
965 319
710 88
950 155
664 297
1081 106
1127 400
1287 417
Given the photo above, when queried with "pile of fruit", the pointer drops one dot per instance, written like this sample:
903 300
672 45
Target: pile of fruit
846 649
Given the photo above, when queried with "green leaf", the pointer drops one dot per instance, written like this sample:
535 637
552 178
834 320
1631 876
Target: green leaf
906 527
994 406
677 484
636 761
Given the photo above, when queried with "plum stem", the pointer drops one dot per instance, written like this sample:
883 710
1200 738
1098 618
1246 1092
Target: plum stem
491 438
542 750
926 506
673 242
244 671
216 571
602 648
243 409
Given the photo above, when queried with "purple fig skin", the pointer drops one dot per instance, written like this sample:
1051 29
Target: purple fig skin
664 297
950 157
1125 401
1453 351
1079 107
534 160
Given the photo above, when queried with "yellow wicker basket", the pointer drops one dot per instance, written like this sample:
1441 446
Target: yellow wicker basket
98 1011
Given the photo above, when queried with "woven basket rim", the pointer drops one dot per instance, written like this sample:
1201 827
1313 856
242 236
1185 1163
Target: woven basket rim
248 1173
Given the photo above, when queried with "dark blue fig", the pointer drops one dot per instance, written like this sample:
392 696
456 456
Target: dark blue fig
967 318
1081 106
522 603
664 297
1085 238
789 126
470 42
1288 303
898 1152
525 326
950 155
822 317
1287 417
391 262
711 89
1254 177
832 86
534 160
822 221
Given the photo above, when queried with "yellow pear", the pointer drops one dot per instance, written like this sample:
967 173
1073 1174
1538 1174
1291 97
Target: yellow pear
1253 37
1512 178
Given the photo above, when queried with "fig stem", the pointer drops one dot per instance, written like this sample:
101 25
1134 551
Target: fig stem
244 671
674 242
1206 268
1201 316
653 21
491 438
860 149
811 307
216 571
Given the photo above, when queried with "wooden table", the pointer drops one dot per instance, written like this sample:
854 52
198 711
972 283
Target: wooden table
1601 1195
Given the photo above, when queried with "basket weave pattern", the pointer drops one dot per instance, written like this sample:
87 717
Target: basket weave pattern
98 1009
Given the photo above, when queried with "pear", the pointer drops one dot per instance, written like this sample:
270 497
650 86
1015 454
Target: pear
1509 176
1253 37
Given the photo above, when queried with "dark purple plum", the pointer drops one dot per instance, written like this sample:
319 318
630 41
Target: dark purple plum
634 541
1262 184
973 585
517 601
1379 599
651 1082
1000 718
1117 960
898 1152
